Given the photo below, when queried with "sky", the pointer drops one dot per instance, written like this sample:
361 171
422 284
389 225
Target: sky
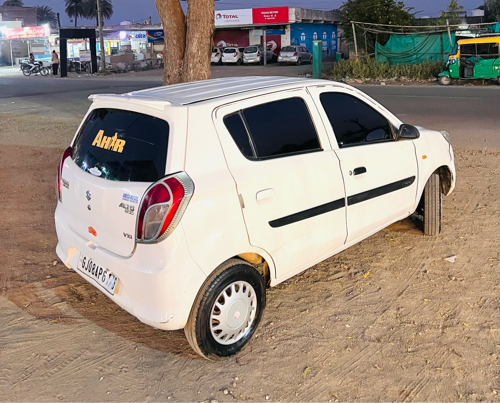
140 10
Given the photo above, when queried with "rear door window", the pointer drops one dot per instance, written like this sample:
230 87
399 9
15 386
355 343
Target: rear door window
122 146
273 129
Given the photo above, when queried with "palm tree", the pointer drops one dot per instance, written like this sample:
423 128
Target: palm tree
45 15
90 9
13 3
74 8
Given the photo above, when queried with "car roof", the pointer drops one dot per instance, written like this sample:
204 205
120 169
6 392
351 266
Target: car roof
201 91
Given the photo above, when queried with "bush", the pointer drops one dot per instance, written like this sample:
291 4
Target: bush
370 68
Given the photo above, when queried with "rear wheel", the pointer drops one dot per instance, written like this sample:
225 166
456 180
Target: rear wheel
44 71
299 61
226 311
27 70
432 206
498 80
444 80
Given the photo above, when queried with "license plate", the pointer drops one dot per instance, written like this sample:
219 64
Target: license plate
286 58
229 60
103 276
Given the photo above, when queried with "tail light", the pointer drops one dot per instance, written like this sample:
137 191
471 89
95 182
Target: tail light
67 153
258 54
295 54
235 54
217 55
162 207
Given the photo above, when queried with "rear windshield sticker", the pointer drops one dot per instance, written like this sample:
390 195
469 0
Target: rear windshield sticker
95 171
130 198
109 143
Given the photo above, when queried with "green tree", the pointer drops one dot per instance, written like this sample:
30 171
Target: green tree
75 9
452 14
90 9
13 3
45 15
390 12
492 10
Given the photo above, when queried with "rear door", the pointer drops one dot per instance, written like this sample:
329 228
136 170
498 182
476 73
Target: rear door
287 176
380 173
117 154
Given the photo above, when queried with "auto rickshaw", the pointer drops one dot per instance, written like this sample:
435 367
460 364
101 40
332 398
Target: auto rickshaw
475 58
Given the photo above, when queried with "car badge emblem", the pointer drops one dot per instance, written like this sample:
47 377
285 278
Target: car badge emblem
89 195
92 231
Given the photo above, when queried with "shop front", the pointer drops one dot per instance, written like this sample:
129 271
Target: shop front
17 43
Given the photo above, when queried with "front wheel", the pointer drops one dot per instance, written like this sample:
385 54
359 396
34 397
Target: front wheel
226 311
432 206
444 80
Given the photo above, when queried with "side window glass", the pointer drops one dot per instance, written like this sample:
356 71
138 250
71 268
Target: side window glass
487 50
468 50
273 129
353 121
236 127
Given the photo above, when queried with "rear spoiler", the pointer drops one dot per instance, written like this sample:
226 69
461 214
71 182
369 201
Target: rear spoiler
154 103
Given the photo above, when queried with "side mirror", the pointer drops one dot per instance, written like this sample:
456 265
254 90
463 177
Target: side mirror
408 132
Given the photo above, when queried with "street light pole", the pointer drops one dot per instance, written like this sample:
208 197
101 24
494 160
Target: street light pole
101 37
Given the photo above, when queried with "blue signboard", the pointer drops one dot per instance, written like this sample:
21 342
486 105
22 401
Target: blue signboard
304 34
156 36
275 31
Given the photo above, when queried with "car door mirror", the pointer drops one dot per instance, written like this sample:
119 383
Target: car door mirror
408 132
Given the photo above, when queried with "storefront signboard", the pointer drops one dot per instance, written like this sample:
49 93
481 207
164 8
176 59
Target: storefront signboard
27 32
156 36
270 15
233 17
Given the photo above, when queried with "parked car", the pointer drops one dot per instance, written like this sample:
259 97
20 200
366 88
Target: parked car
217 55
232 55
294 54
254 54
183 203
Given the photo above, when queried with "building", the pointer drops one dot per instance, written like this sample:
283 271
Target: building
26 16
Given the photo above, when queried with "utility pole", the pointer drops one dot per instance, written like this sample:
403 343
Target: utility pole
101 37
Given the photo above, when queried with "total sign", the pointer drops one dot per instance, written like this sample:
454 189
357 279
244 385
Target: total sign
233 17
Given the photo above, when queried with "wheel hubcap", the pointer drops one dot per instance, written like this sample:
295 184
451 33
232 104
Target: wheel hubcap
233 313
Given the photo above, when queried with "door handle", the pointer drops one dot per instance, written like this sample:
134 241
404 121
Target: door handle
359 171
264 196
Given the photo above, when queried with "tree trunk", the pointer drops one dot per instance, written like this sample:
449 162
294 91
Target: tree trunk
200 30
174 27
188 41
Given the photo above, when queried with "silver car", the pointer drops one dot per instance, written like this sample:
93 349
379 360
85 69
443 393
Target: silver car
253 54
294 54
217 55
233 55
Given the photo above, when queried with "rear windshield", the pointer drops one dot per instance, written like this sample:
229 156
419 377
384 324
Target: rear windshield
251 49
288 49
122 146
230 50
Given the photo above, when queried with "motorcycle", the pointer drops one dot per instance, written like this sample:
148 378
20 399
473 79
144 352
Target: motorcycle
35 68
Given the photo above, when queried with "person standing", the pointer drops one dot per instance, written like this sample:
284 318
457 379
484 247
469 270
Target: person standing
55 63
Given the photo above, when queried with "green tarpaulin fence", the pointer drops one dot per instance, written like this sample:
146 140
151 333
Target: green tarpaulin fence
415 48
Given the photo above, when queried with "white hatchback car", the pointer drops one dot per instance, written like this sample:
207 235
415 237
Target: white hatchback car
232 55
182 207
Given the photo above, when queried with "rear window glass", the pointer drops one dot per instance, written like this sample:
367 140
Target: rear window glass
122 146
251 49
288 49
230 50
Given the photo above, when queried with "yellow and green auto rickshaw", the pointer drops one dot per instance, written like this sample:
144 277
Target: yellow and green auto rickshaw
475 58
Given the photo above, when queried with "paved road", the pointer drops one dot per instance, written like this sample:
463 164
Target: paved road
470 114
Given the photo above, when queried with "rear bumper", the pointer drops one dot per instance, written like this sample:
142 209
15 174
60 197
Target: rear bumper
157 283
251 60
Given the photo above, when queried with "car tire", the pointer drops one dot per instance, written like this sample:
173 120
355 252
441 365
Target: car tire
432 206
444 80
299 61
234 287
219 62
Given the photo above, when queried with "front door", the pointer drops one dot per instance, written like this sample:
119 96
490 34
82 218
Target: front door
288 178
380 174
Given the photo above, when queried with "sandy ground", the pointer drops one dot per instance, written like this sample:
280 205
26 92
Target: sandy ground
387 320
